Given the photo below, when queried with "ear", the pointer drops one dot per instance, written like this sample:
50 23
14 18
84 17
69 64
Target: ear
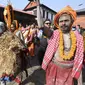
72 21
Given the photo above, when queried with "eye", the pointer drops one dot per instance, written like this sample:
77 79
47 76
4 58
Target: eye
66 20
60 21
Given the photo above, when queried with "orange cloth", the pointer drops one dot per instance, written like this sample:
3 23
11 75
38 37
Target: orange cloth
31 49
67 10
31 44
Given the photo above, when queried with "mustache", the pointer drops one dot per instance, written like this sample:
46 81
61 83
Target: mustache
64 26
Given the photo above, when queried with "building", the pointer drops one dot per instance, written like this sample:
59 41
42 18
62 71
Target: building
80 18
23 17
46 12
29 14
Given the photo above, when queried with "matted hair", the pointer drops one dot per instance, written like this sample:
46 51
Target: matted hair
10 53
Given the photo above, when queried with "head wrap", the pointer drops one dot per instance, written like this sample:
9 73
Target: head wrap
2 27
67 10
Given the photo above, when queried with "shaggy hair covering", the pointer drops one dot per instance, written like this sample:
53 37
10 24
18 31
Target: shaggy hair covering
10 53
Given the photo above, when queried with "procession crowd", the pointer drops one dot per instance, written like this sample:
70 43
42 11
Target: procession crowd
59 49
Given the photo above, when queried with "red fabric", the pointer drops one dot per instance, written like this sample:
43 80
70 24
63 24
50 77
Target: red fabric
52 47
58 76
17 80
79 56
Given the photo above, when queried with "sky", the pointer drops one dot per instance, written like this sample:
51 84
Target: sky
56 5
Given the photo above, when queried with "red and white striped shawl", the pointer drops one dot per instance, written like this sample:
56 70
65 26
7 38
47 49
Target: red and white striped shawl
52 47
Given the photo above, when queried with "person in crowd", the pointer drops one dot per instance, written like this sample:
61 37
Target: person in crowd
45 30
44 35
15 29
30 33
64 54
20 26
78 28
2 27
31 41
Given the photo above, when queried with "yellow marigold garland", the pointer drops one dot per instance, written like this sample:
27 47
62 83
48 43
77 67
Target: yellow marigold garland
73 46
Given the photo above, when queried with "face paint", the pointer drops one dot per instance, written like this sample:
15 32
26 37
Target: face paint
65 22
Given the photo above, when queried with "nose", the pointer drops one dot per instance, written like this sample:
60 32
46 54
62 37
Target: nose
63 23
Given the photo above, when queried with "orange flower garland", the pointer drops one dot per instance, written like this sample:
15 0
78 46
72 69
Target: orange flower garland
73 46
8 15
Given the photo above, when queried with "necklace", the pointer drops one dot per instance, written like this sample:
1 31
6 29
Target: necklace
61 46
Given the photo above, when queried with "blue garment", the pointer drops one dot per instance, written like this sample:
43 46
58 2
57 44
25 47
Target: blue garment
73 29
40 34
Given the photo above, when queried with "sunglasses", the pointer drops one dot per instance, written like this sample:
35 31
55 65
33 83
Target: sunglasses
47 23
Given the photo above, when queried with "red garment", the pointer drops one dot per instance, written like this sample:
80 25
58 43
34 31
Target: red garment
53 46
58 76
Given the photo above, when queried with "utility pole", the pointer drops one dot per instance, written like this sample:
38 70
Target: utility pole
39 18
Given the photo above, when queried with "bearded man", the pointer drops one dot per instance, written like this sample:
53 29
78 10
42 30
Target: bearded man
64 55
